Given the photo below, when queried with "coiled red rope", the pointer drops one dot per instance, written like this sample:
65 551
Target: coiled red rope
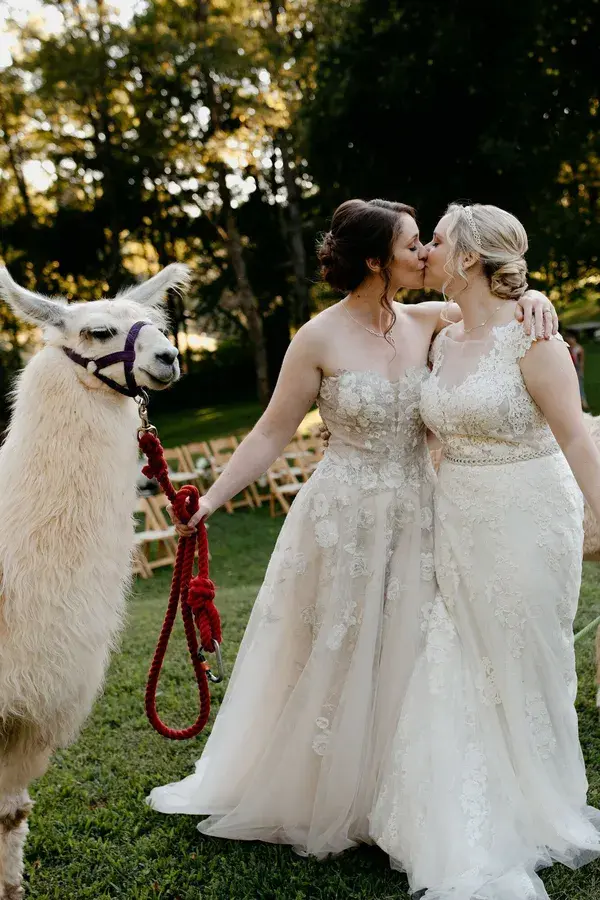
196 595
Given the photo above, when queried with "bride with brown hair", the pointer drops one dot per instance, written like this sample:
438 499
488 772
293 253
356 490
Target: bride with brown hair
311 708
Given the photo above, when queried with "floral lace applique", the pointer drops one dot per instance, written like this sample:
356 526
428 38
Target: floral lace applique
346 619
441 638
321 739
541 726
377 434
486 684
488 416
427 566
473 799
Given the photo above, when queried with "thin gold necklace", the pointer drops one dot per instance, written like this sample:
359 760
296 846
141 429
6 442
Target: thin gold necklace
469 330
378 334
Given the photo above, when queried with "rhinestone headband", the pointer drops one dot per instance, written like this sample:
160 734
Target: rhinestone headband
474 228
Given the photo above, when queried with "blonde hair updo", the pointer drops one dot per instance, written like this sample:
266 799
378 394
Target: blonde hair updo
500 241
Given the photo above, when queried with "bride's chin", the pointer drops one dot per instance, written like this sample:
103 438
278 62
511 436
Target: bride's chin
417 283
432 285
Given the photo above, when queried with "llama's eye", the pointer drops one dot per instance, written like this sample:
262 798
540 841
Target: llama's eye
101 334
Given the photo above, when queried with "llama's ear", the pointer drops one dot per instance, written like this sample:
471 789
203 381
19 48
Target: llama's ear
32 307
154 291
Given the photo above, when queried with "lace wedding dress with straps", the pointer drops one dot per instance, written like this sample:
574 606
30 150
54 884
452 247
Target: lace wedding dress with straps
486 782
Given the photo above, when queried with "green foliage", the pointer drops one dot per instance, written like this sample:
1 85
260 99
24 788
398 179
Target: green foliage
427 103
292 107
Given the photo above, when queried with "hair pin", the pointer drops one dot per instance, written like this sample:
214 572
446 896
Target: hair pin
474 228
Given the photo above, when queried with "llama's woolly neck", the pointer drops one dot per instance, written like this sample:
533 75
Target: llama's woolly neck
67 494
57 421
69 462
53 391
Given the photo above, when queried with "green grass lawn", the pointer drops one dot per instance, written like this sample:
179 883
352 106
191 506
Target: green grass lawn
192 425
92 835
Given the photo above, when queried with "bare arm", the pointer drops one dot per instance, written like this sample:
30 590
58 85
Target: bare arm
534 309
552 382
295 393
434 314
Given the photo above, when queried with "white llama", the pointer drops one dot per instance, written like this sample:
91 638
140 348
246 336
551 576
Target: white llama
67 493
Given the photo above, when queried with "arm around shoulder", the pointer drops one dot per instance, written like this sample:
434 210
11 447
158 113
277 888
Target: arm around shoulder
437 314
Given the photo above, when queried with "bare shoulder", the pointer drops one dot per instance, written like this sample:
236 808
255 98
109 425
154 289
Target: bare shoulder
323 320
426 311
543 355
313 336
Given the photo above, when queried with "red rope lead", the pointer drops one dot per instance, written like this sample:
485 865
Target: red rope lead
196 595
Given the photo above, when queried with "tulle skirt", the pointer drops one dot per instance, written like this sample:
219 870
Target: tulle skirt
297 748
486 783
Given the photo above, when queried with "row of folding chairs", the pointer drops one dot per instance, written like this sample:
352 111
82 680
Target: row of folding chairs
155 538
201 463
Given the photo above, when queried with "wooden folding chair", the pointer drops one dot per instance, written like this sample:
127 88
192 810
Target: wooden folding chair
221 450
313 452
298 458
283 484
159 504
154 538
197 459
179 471
259 489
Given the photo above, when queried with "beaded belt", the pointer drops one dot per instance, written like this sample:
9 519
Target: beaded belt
521 456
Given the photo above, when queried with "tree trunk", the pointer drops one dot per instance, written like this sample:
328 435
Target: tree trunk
245 295
274 6
292 216
14 157
301 313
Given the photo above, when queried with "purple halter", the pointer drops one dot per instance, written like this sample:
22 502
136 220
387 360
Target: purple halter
126 356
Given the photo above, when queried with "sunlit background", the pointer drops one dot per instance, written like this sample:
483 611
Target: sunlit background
224 133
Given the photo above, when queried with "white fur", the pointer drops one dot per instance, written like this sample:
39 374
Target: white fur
67 492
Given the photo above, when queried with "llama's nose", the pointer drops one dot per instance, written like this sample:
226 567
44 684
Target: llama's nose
168 357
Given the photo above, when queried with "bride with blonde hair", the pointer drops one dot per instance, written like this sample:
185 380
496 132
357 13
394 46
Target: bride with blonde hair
485 784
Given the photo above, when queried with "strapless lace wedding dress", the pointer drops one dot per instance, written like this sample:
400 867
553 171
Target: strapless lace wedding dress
297 747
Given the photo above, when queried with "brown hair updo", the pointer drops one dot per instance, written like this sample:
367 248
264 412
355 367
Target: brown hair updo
361 230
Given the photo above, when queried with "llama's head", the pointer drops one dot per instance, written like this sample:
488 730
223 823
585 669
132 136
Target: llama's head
100 327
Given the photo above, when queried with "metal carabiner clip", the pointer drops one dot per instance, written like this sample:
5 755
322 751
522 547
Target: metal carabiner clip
214 679
142 401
